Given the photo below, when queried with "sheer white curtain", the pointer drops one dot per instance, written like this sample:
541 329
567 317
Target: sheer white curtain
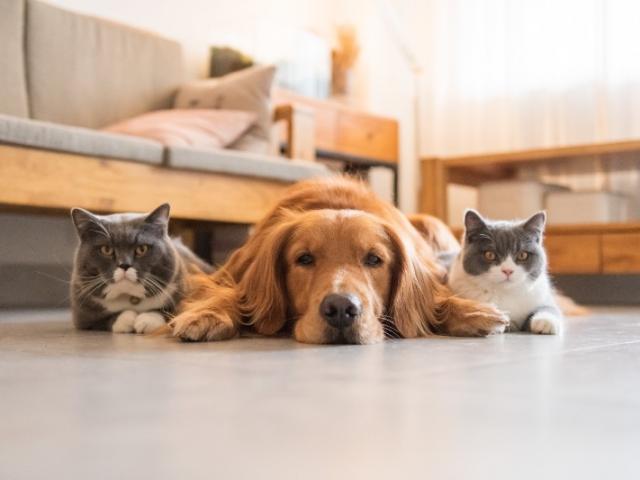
505 75
513 74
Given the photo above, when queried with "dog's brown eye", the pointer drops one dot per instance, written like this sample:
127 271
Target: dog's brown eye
141 250
489 255
305 259
106 250
372 260
522 256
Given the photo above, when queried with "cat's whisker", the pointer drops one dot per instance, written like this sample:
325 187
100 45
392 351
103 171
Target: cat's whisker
85 296
155 284
90 286
87 290
53 277
157 279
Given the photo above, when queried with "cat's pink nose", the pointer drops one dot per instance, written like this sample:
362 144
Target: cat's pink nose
507 272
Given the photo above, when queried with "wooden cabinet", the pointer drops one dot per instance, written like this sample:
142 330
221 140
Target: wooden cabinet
347 131
621 253
367 136
593 249
571 254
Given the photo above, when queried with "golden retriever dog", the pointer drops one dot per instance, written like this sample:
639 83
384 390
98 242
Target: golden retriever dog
332 263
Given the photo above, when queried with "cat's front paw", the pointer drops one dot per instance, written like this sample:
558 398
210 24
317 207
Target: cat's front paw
124 322
545 323
149 322
203 326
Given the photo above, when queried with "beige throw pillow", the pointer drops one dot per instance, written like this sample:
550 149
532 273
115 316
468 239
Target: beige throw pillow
248 90
195 128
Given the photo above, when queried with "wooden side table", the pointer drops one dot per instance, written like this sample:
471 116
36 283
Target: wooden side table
357 139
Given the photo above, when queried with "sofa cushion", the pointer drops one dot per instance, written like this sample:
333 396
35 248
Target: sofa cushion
13 83
83 141
248 90
244 163
196 128
90 72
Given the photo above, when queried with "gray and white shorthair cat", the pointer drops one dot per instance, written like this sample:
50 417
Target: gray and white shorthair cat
128 274
504 263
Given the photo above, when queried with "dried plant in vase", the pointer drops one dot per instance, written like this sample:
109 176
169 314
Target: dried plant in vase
343 58
225 60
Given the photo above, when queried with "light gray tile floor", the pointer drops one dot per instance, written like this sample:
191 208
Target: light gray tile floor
80 405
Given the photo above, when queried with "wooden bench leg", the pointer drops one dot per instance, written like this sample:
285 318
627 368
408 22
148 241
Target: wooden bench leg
433 190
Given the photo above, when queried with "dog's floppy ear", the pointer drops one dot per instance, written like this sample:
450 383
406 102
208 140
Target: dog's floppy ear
263 291
412 302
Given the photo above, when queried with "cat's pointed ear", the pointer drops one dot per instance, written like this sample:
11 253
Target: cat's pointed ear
535 224
473 221
85 221
160 215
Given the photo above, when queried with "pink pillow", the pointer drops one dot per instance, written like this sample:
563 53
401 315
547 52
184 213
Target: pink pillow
198 128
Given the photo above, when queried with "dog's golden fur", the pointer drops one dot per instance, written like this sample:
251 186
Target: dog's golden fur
435 232
340 222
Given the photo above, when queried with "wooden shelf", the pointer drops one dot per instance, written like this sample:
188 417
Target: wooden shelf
629 227
579 229
544 154
475 169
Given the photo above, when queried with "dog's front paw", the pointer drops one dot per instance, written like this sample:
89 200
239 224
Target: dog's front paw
545 323
467 318
482 321
203 326
124 322
487 320
148 322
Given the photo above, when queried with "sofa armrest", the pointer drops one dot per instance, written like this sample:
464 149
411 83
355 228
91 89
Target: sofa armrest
299 132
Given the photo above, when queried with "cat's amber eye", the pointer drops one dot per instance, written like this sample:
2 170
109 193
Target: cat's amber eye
141 250
106 250
522 256
489 255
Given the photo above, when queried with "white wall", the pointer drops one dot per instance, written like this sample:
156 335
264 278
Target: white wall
197 24
384 84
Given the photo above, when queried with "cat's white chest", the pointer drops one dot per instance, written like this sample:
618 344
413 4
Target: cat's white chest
518 305
133 299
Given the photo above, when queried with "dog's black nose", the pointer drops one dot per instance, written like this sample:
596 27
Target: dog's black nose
340 310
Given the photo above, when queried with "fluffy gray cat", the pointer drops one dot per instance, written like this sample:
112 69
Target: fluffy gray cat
504 263
128 274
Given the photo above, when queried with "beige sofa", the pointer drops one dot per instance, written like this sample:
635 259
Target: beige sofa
64 76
